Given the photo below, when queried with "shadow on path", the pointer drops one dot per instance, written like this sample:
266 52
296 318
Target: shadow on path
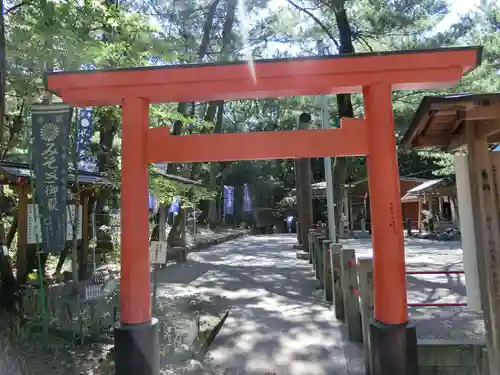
277 323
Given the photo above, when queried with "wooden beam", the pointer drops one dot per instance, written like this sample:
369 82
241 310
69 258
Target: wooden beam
350 140
487 234
489 129
472 113
430 141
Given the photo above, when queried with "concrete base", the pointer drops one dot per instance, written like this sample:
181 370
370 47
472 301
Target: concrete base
393 349
137 349
449 357
302 255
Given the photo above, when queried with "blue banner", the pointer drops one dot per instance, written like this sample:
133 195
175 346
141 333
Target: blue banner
50 152
228 200
175 206
154 205
247 201
86 161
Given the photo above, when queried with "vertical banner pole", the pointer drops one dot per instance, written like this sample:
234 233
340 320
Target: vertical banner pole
325 124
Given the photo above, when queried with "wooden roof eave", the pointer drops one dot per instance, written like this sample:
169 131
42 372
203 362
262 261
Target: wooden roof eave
481 111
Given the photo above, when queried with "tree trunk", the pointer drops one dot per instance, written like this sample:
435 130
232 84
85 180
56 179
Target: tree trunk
3 69
108 126
109 123
219 105
345 109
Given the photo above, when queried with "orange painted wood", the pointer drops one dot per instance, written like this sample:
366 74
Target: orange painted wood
385 206
373 74
275 78
351 139
135 300
264 88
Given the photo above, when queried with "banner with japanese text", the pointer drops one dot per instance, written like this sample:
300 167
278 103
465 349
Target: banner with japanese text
50 151
247 201
86 161
228 200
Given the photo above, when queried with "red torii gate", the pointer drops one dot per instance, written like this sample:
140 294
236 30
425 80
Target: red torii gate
376 75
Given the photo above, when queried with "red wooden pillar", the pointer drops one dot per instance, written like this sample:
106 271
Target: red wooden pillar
393 341
136 338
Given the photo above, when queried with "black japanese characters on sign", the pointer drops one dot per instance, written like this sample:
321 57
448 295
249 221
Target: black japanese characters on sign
50 130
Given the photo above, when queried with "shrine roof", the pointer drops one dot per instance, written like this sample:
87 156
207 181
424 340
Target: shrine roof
12 171
440 121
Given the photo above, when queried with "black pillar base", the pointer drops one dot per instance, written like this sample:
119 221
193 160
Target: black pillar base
393 349
137 349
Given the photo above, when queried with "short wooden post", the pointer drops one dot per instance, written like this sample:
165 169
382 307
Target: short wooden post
297 228
313 249
311 245
327 271
338 298
408 227
350 291
319 263
366 298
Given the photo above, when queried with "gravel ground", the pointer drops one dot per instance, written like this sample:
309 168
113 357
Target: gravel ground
456 323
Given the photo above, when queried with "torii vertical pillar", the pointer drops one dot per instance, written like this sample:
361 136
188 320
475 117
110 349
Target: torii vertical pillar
136 337
393 340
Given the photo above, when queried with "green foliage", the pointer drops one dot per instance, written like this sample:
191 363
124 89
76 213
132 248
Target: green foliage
75 35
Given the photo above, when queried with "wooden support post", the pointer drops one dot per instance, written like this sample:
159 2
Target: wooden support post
83 250
391 307
351 219
319 262
419 220
366 299
135 299
136 338
22 233
408 227
327 271
297 228
314 239
310 240
338 298
352 312
486 228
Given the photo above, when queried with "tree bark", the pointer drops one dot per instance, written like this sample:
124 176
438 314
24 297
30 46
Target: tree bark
108 127
219 105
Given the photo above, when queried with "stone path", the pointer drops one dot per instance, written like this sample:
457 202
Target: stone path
278 324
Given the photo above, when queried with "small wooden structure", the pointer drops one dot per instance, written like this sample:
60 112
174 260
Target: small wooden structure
438 197
471 122
177 236
356 200
18 176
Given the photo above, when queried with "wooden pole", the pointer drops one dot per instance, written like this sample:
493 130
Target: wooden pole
304 167
391 307
486 228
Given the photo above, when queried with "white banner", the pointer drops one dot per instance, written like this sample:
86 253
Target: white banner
34 227
158 252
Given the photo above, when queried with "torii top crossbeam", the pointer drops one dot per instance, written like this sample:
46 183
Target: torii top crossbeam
406 70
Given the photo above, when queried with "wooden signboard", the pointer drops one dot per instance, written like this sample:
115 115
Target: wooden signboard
158 252
34 229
